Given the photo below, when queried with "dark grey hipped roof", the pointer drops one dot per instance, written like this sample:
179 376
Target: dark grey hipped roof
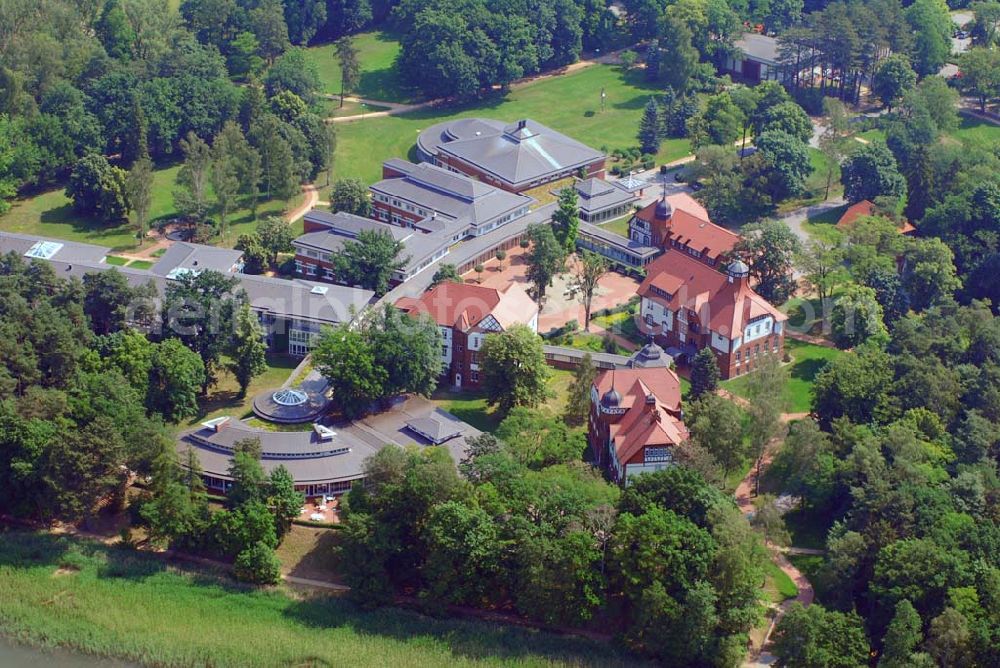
454 196
184 256
435 429
597 194
758 47
634 247
517 153
348 225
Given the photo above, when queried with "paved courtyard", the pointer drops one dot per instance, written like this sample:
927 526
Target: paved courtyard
612 290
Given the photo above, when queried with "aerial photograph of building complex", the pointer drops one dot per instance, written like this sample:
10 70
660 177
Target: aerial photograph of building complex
564 333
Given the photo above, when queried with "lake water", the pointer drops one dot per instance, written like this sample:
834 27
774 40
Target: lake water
21 656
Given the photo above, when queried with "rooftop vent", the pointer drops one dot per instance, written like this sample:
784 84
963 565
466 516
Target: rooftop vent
324 433
319 290
216 424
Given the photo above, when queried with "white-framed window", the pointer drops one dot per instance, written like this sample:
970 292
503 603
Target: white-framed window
657 454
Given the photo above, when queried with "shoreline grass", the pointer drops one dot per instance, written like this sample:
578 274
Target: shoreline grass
74 593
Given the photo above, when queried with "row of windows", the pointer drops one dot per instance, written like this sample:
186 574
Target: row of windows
757 350
405 206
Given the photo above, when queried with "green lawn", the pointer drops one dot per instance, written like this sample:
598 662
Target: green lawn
807 361
977 132
568 103
223 398
823 225
779 586
618 225
586 341
380 80
972 131
140 264
623 324
50 214
470 405
815 191
61 591
116 261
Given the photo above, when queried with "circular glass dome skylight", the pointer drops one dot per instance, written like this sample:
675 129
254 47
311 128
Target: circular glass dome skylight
290 397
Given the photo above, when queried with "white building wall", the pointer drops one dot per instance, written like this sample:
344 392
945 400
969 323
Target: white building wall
720 343
758 330
661 315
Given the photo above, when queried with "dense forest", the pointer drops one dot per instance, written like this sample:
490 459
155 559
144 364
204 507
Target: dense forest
101 91
86 400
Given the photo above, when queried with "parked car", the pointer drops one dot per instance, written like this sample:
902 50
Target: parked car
696 186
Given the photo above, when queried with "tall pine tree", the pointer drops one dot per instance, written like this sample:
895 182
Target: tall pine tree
650 128
704 373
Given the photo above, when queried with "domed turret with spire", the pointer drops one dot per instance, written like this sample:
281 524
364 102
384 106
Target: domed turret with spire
650 355
664 209
737 269
611 399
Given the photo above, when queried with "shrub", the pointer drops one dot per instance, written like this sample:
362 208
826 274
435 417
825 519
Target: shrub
810 99
258 564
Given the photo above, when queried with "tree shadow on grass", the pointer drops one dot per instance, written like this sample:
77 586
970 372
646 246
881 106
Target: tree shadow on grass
318 562
83 225
637 102
470 639
807 369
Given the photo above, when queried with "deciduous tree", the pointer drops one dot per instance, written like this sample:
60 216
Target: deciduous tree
513 369
370 260
592 267
546 258
247 351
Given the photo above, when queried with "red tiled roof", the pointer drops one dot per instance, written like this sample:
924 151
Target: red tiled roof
688 226
855 211
866 208
662 382
463 305
722 305
644 424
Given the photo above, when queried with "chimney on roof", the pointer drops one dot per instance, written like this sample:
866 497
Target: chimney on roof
521 123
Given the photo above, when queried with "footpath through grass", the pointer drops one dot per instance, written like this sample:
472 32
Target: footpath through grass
100 600
569 103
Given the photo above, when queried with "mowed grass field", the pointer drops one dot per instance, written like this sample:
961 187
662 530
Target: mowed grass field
470 405
50 214
380 80
223 397
971 131
807 360
569 103
105 601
